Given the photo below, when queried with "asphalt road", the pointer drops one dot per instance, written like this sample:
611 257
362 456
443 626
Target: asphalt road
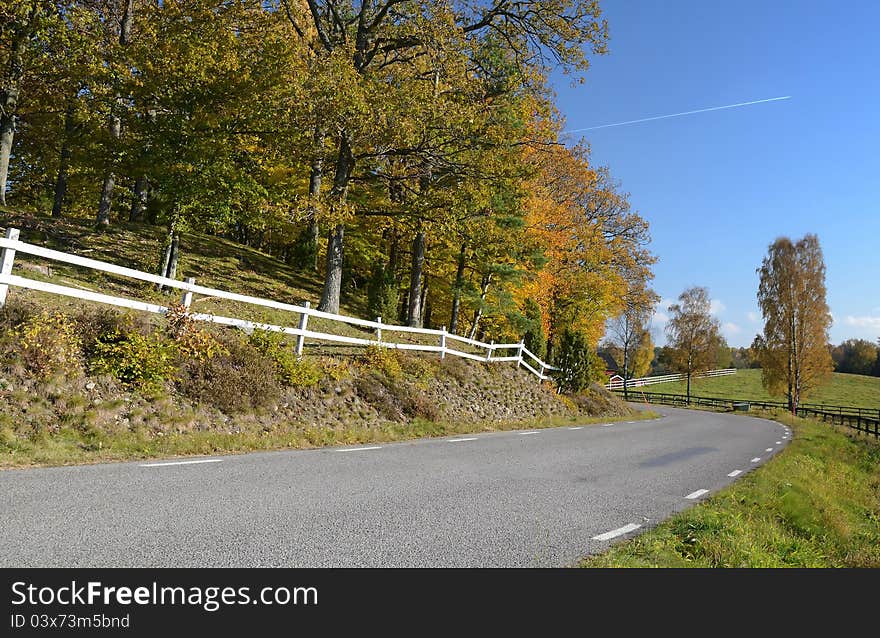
538 498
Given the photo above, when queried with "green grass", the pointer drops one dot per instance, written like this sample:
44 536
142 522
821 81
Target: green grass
816 504
853 390
71 446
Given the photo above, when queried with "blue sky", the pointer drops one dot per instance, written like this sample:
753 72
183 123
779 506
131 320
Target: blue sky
719 187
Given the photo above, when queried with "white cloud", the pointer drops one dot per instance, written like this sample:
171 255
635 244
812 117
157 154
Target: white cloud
660 317
716 307
753 317
865 323
731 328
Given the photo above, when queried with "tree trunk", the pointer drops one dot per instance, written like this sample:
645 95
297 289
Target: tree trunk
7 133
174 256
456 291
316 176
478 313
625 373
689 388
138 199
61 179
9 96
115 126
426 305
166 257
414 312
333 275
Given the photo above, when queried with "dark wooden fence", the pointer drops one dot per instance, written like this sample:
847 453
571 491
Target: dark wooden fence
864 420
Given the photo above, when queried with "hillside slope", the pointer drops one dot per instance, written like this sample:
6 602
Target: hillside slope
83 382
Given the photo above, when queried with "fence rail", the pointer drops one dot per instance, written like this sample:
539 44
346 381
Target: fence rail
11 245
866 420
665 378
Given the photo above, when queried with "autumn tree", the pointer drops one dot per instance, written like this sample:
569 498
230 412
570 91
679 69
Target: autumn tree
795 358
628 331
693 334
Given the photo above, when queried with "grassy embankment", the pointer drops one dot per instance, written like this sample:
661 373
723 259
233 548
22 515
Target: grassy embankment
816 504
73 414
843 389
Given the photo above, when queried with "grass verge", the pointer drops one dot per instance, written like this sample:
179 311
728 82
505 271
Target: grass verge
71 446
816 504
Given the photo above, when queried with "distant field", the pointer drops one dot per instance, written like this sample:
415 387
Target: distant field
844 389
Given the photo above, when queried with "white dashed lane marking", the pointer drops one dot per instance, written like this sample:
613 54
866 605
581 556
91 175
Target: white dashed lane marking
620 531
469 438
769 449
181 463
735 473
578 427
697 494
360 449
756 459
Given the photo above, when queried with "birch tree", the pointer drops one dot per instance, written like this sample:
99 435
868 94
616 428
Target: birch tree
693 334
794 353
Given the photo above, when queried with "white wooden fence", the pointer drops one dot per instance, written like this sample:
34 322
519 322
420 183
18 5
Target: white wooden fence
11 245
617 384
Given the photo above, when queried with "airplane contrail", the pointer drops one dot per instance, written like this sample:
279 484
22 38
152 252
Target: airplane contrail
663 117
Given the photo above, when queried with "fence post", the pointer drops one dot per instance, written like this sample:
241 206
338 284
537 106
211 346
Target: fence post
6 259
541 373
379 329
187 298
522 344
303 322
489 350
443 343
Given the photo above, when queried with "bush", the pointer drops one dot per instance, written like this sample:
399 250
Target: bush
101 324
144 361
237 380
192 342
47 344
385 360
580 366
290 369
15 312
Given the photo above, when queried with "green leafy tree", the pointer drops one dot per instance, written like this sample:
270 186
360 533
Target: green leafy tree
579 363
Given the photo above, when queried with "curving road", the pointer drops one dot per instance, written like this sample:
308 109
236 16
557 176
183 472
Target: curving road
524 498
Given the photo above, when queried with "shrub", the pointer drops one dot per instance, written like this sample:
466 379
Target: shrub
578 362
15 312
237 380
336 369
290 369
134 359
385 360
419 367
192 342
101 324
48 343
